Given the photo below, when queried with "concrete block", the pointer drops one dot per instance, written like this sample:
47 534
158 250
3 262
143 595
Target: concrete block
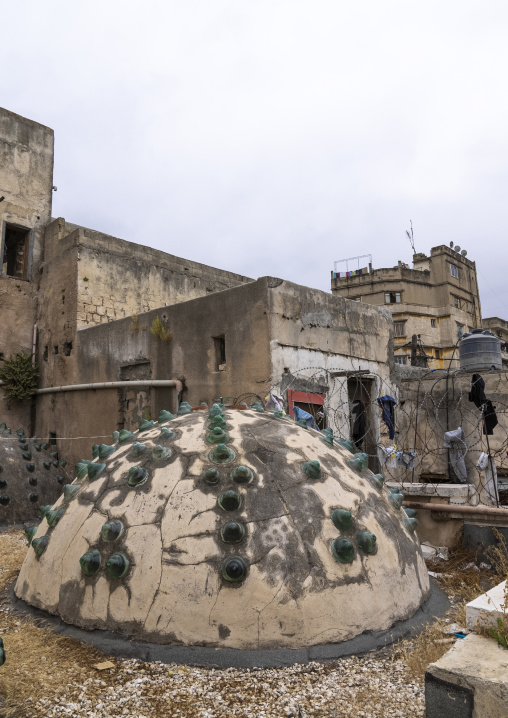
485 609
470 681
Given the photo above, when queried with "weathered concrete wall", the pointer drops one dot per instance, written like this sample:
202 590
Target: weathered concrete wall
314 335
272 331
110 351
26 180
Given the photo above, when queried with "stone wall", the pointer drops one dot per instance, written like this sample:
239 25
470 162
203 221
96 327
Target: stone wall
26 180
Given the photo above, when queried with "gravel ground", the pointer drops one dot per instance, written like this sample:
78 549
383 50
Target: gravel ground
370 687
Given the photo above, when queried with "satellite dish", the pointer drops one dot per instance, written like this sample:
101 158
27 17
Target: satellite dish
464 253
456 248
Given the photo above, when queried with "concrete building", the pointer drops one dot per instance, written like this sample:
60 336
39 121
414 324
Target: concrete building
499 328
86 305
437 299
56 277
26 181
319 352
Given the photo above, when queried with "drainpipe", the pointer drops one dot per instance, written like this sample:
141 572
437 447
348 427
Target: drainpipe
111 385
34 343
456 508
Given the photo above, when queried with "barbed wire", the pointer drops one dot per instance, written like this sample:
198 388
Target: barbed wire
426 408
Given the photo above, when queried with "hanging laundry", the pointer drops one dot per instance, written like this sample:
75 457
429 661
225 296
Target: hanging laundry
359 423
456 443
487 464
477 393
406 459
477 396
489 414
387 456
308 418
387 404
274 403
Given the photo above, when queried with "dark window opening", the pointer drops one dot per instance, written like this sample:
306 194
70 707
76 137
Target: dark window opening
220 353
399 329
45 355
1 356
67 348
15 252
392 297
52 438
55 350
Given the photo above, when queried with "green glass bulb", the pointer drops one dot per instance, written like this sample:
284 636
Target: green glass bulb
312 469
343 550
366 542
112 530
117 565
137 476
234 569
39 545
342 519
242 475
90 562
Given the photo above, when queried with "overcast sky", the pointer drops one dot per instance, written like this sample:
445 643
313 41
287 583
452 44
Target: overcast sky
274 136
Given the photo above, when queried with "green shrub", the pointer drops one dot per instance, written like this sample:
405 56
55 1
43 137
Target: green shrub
19 377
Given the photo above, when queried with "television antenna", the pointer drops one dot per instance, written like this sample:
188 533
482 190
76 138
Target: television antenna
409 234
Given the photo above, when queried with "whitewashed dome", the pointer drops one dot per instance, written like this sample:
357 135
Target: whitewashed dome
226 528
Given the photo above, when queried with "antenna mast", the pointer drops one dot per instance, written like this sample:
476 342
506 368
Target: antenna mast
410 236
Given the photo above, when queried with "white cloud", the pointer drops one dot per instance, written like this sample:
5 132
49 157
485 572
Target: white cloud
274 137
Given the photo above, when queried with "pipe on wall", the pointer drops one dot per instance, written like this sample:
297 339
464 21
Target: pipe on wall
111 385
456 508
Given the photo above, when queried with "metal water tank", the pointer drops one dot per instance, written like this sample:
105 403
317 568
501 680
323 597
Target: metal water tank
480 350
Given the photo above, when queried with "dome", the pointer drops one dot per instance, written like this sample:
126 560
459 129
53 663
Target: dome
31 476
226 528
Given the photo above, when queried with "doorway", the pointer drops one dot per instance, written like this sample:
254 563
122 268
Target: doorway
362 426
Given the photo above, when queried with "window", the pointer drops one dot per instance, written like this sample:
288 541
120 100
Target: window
456 302
15 251
433 323
460 330
438 353
392 298
399 329
454 270
220 353
400 359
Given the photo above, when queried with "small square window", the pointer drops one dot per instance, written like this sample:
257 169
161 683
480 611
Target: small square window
457 302
433 323
399 329
454 270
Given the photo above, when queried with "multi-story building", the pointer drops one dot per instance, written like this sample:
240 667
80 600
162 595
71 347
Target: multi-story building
437 300
499 328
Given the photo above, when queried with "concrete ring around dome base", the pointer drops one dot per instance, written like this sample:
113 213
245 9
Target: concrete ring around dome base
435 606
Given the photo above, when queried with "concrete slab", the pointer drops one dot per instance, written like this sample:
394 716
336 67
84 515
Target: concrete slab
470 681
487 608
